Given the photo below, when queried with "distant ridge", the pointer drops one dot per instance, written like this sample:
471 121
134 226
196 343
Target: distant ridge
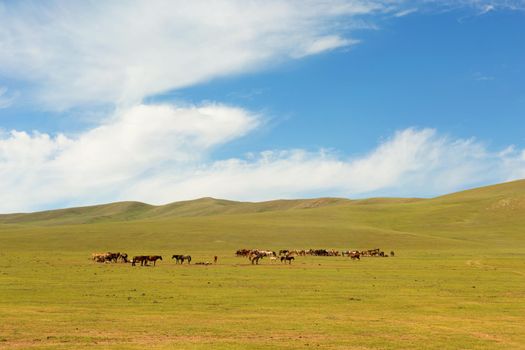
506 197
126 211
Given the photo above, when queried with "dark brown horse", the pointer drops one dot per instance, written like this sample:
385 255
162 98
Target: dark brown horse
143 259
154 258
287 258
254 258
177 258
355 255
180 258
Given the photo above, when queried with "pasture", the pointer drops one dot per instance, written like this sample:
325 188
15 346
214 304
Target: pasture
457 280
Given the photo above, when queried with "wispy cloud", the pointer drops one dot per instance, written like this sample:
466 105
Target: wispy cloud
482 77
74 53
480 7
406 12
6 98
160 153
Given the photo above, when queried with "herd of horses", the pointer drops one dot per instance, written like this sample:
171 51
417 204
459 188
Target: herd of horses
253 255
143 259
288 255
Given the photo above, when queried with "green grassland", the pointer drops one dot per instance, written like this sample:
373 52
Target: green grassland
457 280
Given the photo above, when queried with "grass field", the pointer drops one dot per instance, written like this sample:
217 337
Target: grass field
457 280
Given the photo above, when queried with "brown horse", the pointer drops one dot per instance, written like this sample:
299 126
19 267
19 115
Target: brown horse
254 258
154 258
143 259
180 258
355 255
215 258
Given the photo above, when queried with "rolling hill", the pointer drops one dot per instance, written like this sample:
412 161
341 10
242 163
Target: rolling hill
504 201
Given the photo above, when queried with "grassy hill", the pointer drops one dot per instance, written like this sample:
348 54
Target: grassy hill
125 211
502 199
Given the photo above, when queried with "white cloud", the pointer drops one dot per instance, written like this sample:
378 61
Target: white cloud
411 163
6 99
75 54
160 153
325 44
406 12
99 164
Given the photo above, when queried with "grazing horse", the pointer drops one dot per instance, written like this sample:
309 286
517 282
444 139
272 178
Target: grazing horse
177 258
112 256
255 258
180 258
143 259
355 255
287 258
103 257
124 257
154 258
99 258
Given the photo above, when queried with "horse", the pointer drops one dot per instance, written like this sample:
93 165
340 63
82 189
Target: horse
215 258
177 258
255 258
154 258
283 251
287 258
392 253
98 257
354 255
112 256
185 257
143 259
103 257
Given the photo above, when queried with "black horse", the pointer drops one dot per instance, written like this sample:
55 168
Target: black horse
177 258
287 258
180 258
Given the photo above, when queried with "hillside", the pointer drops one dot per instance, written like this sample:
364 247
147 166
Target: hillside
487 205
126 211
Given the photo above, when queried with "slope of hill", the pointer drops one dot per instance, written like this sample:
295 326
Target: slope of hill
486 205
126 211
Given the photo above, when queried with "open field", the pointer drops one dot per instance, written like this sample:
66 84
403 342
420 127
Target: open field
457 281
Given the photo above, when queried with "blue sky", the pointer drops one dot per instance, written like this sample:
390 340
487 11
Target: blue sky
342 98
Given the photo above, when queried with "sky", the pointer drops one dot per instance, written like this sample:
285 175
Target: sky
160 101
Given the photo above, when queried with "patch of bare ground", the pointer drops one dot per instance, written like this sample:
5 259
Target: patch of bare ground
517 203
110 340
